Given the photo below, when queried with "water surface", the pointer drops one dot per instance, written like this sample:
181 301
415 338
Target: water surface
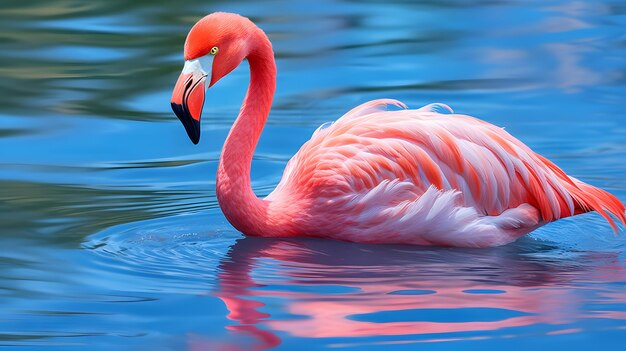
112 238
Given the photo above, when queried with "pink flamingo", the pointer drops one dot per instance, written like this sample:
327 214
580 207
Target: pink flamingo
376 176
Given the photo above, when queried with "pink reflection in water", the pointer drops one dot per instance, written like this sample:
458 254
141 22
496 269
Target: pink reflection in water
374 277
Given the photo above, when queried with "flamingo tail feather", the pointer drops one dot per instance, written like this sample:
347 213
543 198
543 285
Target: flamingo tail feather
589 198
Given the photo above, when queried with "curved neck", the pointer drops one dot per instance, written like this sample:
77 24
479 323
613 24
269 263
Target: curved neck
242 208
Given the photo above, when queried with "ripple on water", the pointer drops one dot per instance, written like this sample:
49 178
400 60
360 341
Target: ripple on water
173 253
313 288
412 292
441 315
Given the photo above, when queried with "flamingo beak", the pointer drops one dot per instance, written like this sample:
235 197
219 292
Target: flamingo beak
188 97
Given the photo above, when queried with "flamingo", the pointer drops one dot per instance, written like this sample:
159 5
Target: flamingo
404 176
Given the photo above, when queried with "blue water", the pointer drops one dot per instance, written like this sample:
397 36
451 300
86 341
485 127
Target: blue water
111 237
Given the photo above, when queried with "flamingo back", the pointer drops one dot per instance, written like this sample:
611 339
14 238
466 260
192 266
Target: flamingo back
421 176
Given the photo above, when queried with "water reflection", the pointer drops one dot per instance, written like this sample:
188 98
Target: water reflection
342 290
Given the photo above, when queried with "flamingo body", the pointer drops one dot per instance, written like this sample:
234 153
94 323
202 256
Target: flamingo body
403 176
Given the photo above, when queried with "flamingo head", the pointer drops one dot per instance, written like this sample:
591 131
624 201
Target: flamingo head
215 46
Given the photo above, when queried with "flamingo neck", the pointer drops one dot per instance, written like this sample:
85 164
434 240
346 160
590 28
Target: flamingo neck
243 209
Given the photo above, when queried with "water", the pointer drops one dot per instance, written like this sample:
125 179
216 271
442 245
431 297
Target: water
111 236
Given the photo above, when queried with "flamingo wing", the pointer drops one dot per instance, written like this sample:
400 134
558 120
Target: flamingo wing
385 167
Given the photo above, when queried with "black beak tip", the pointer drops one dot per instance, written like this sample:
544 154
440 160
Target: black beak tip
192 126
195 139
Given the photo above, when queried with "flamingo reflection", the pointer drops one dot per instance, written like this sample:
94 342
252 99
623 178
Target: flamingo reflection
373 290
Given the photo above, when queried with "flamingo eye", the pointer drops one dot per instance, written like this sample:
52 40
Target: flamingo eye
214 50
